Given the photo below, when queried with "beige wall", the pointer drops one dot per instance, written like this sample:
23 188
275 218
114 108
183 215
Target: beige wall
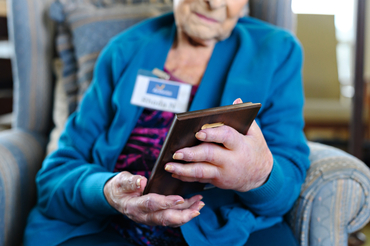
320 70
2 8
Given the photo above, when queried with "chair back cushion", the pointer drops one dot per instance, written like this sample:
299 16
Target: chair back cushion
85 27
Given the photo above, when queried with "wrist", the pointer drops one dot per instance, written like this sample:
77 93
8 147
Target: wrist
108 193
267 171
264 172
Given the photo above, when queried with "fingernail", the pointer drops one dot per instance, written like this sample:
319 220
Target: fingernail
200 135
169 167
179 202
195 214
201 205
178 156
138 183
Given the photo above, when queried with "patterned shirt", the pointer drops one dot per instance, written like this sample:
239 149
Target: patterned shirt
138 157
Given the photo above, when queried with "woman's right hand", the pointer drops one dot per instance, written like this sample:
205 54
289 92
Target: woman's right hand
124 193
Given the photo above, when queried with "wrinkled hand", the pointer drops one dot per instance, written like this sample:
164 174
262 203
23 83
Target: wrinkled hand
124 193
241 163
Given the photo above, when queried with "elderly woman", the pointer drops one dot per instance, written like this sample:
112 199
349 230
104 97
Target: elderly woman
90 189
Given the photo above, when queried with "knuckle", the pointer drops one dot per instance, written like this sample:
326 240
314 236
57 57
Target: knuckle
167 205
125 181
180 172
133 183
149 204
117 186
191 155
162 219
123 175
182 222
227 134
165 218
150 219
198 172
128 209
130 183
209 152
164 222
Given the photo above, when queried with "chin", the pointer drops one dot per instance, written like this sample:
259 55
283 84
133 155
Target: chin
199 34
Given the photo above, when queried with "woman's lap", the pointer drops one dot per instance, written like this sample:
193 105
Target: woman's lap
108 237
277 235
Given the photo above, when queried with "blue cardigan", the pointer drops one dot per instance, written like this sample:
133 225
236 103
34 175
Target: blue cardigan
258 63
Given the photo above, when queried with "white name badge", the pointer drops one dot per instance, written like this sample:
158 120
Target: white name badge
159 94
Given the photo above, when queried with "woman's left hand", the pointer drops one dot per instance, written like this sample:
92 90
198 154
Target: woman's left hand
241 163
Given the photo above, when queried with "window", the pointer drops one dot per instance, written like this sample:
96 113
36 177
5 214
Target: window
344 12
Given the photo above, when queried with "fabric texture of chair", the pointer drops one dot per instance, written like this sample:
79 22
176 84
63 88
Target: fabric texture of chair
334 199
85 27
22 148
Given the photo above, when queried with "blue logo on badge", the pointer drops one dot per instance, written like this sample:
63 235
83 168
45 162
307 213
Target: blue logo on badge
164 90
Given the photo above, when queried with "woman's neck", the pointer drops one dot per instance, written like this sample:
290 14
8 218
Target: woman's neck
188 59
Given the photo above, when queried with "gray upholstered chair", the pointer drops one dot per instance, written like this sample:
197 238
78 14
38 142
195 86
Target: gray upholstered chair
335 197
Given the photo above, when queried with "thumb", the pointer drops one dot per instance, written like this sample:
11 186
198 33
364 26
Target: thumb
255 130
140 184
128 182
237 101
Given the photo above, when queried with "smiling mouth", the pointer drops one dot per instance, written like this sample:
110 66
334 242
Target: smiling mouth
205 17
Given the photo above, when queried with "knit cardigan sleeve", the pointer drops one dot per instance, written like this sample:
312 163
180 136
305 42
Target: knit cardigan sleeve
70 185
281 122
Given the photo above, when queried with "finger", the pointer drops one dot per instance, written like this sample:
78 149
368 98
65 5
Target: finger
197 205
237 101
205 152
225 135
254 129
191 179
141 184
126 182
188 203
154 202
196 171
172 218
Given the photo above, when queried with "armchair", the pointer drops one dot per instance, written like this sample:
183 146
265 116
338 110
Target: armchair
334 200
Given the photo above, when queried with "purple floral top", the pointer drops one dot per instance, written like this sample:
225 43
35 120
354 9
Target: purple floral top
138 157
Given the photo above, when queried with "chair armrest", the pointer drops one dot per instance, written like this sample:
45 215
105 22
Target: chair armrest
334 199
21 155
